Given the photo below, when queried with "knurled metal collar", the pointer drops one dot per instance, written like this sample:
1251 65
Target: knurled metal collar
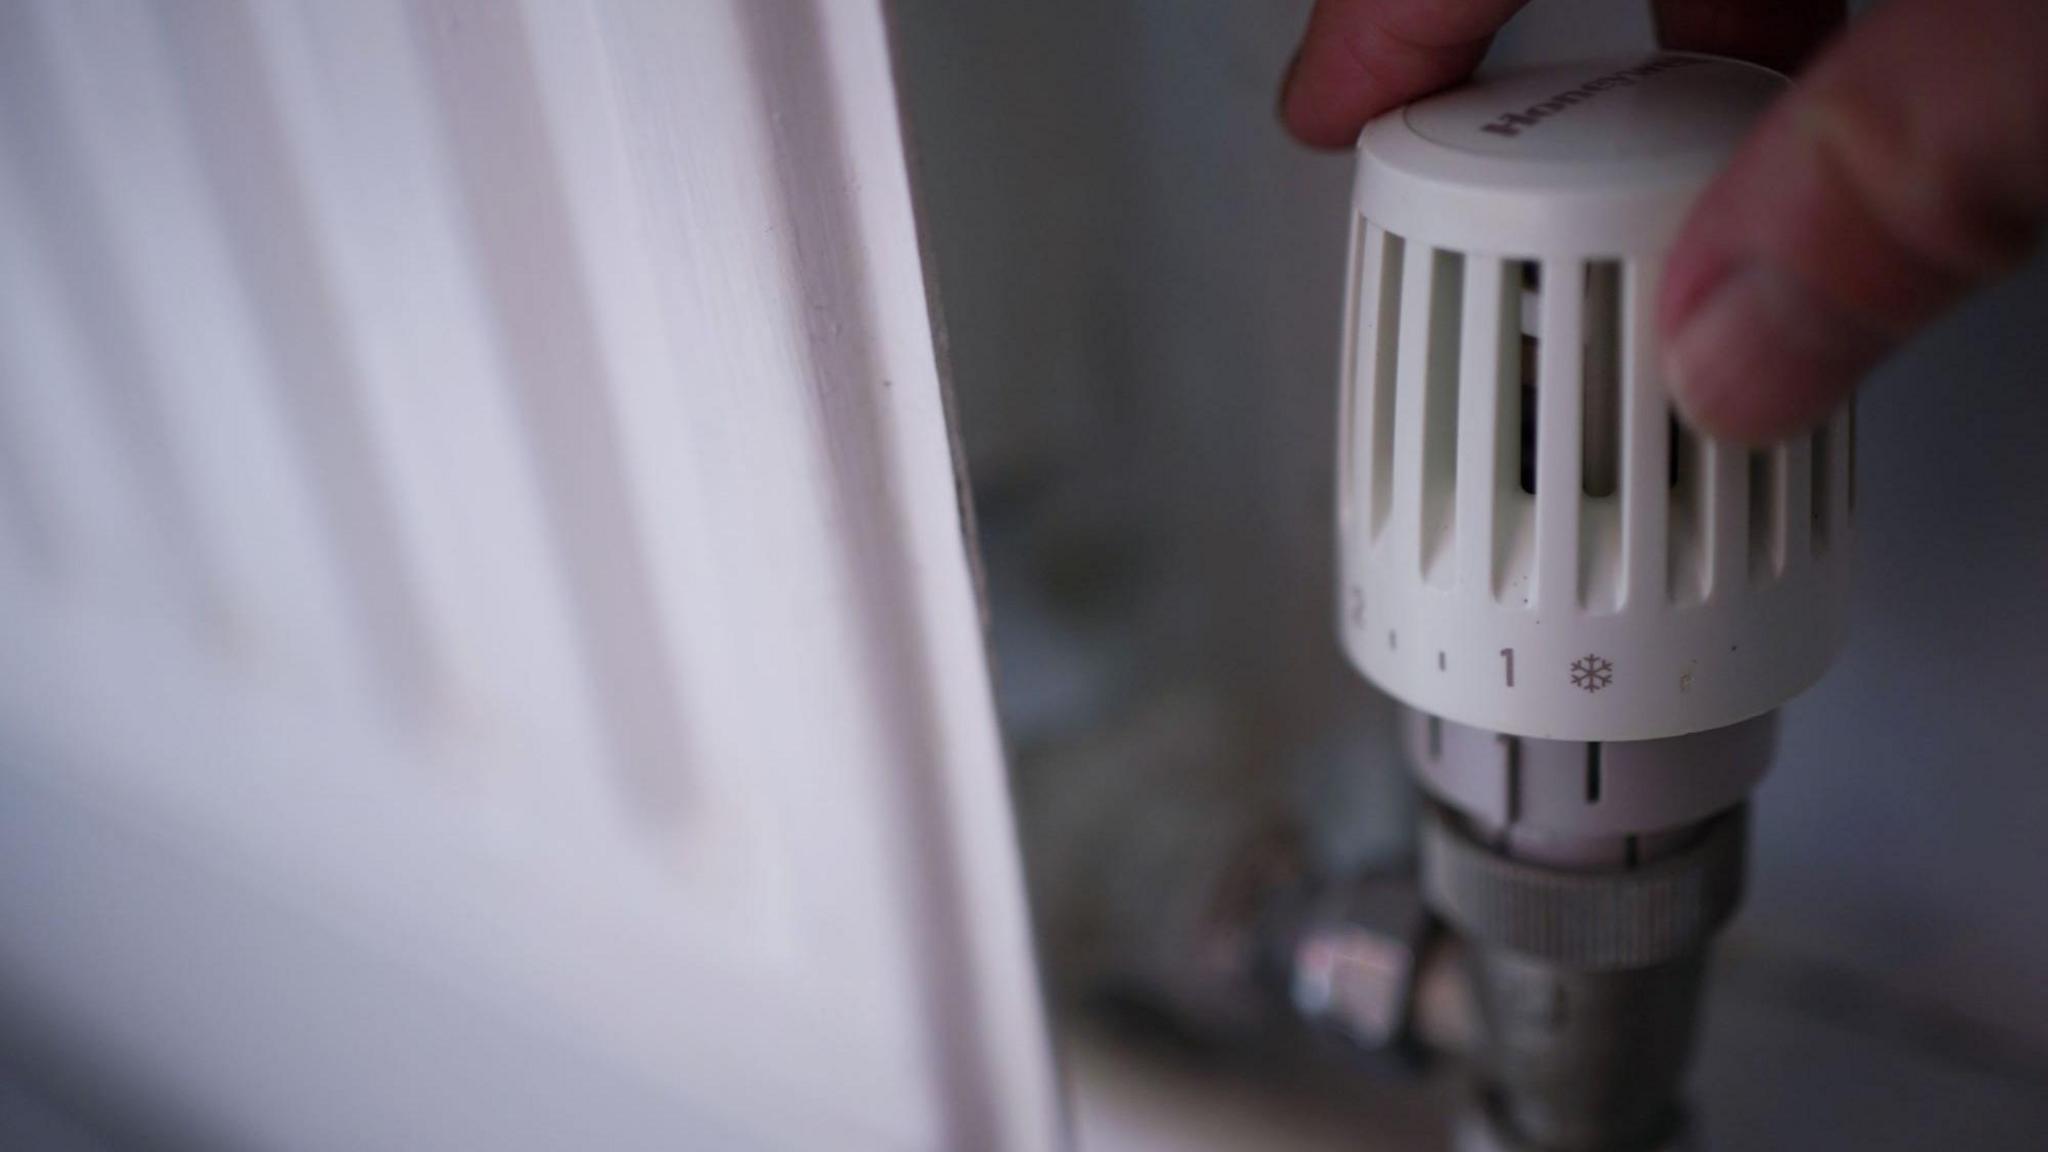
1587 920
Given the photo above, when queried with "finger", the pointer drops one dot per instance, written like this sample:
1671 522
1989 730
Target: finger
1908 167
1780 34
1362 57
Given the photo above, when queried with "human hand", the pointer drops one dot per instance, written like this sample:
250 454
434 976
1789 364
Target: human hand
1907 166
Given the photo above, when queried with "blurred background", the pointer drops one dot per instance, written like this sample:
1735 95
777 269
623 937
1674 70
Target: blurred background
1141 282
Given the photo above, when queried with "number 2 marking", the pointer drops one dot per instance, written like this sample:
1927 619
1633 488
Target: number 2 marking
1508 655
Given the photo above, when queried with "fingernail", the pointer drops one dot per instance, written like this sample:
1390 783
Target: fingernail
1762 357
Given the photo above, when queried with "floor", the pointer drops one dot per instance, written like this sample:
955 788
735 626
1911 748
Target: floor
1784 1068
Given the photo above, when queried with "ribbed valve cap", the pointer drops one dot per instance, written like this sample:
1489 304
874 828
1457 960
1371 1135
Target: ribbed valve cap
1530 541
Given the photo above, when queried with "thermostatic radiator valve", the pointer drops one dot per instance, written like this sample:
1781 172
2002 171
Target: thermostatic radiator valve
1590 610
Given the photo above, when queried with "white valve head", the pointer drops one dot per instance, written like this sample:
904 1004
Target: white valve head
1530 542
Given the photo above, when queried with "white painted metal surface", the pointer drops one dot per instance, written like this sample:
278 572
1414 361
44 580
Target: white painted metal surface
491 650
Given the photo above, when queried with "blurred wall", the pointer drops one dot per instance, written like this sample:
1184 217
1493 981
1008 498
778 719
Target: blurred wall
1142 303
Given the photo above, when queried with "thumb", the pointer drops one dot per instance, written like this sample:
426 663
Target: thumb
1908 167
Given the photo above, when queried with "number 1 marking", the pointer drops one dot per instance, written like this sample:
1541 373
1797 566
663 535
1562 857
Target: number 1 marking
1508 654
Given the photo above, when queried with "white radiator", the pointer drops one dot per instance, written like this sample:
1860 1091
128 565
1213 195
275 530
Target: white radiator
488 648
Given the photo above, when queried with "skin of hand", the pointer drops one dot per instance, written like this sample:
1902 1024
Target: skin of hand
1906 167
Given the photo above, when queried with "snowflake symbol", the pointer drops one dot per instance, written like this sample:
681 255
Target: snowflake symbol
1592 672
